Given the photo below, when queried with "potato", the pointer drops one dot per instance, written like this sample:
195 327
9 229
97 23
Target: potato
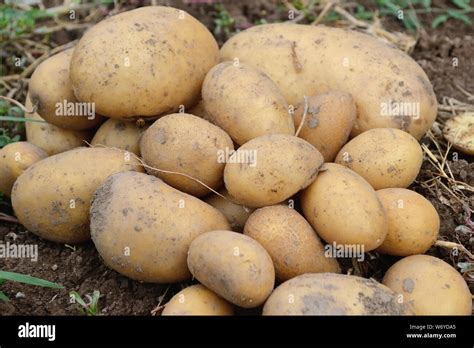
234 266
15 158
310 60
291 242
328 123
186 144
459 131
197 300
52 197
142 227
50 89
245 103
333 294
344 209
119 134
199 110
271 168
385 157
413 223
431 285
146 62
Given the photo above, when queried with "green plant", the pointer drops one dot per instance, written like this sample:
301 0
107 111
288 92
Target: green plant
25 279
92 307
224 22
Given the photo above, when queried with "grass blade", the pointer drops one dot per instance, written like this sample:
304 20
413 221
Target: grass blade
26 279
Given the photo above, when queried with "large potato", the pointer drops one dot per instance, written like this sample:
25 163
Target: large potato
142 227
385 157
291 242
186 144
144 62
309 60
271 168
413 223
245 103
431 285
344 209
234 266
52 197
333 294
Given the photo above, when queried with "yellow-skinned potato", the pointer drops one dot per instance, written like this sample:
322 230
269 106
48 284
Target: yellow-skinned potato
385 157
271 168
52 197
199 110
186 144
310 60
333 294
344 209
430 285
143 62
291 242
50 89
15 158
245 103
142 227
413 223
234 266
328 122
197 300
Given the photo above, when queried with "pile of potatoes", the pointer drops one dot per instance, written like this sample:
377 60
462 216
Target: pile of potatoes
235 167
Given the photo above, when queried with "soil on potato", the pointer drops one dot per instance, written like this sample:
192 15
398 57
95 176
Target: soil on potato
80 268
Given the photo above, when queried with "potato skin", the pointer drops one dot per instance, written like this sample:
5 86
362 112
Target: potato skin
385 157
156 222
309 60
413 222
160 66
328 122
431 285
343 208
284 165
186 144
333 294
52 197
234 266
245 103
197 300
291 242
15 158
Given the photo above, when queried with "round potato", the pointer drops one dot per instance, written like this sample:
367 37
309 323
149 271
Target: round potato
333 294
146 62
51 91
189 145
328 123
413 223
15 158
459 131
234 266
199 110
142 227
385 157
197 300
52 197
344 209
291 242
431 285
271 168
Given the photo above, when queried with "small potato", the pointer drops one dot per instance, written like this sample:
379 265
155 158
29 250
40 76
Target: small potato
245 103
271 168
197 300
413 223
199 110
291 242
431 285
186 144
459 131
333 294
15 158
142 227
344 209
385 157
234 266
328 123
